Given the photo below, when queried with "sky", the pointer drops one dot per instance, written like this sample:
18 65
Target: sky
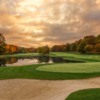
33 23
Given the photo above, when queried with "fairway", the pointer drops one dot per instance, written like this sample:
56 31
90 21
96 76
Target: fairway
72 68
77 56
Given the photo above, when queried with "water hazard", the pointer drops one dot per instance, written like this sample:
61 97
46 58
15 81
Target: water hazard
20 61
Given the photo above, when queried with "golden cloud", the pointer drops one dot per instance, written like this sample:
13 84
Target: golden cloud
41 22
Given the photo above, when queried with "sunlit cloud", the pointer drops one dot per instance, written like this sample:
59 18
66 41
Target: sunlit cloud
33 23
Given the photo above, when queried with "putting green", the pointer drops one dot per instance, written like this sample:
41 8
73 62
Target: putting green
71 68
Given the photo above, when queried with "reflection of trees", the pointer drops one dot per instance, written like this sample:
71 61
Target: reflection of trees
11 60
57 60
43 59
2 62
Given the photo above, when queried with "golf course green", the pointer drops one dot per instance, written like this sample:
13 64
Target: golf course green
72 68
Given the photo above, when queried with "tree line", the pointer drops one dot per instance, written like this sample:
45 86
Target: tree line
89 44
12 49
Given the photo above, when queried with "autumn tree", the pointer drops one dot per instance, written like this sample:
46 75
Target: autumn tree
73 47
97 48
10 49
43 50
67 47
56 48
2 44
88 48
90 40
81 47
46 50
97 40
39 50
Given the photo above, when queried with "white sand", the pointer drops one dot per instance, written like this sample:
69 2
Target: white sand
26 89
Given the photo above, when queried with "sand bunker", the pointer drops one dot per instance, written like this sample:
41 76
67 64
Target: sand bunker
26 89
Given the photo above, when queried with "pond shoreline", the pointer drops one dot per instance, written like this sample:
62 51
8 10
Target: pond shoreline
29 60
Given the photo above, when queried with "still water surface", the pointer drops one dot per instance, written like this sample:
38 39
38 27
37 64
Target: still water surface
20 61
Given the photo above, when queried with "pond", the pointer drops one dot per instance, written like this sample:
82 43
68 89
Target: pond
21 61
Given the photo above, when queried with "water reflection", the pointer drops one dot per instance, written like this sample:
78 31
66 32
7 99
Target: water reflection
19 61
45 59
5 61
2 62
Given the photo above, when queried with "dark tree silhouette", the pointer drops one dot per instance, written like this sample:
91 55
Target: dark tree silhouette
2 44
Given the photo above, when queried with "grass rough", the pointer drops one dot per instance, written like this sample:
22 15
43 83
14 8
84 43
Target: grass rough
87 94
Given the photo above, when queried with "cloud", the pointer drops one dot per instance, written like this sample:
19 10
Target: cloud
40 22
93 15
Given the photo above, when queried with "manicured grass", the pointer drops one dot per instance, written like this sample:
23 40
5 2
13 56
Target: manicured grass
20 55
30 72
72 68
88 94
77 56
54 71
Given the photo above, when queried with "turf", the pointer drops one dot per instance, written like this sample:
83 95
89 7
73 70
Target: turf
55 71
30 72
19 55
88 94
91 65
72 68
77 56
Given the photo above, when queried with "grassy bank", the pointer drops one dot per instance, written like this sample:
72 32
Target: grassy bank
30 72
54 71
19 55
89 94
77 56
